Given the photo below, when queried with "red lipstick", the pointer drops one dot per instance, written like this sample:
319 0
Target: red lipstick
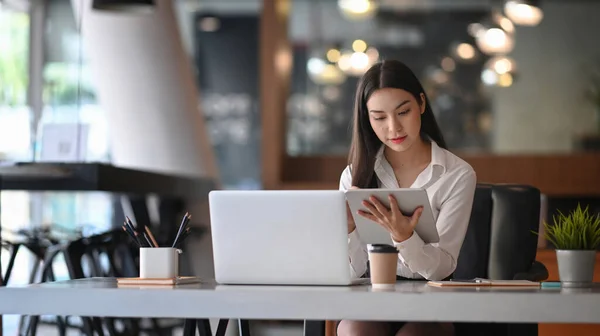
398 140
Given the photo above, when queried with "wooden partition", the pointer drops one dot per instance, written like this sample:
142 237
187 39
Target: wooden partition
275 68
561 175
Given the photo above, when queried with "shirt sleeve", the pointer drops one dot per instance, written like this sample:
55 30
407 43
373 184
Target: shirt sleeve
437 261
357 250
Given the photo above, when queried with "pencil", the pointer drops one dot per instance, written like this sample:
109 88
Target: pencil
131 231
131 235
133 228
151 237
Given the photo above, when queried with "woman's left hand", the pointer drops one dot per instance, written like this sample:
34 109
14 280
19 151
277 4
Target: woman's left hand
399 226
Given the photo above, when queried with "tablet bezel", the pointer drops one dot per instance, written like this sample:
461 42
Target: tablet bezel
408 199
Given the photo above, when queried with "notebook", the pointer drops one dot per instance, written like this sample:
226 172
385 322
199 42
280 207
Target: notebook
158 281
484 282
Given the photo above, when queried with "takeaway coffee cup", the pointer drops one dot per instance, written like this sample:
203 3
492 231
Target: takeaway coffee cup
383 261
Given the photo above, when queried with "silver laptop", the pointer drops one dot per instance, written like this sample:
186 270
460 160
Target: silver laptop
280 237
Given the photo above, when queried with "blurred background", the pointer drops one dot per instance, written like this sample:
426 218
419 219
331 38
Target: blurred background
258 94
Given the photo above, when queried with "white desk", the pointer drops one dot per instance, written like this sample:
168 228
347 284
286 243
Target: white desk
410 301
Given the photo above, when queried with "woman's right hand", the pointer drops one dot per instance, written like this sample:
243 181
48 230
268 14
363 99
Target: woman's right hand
350 218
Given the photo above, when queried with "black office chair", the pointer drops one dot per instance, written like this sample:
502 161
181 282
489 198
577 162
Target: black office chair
500 244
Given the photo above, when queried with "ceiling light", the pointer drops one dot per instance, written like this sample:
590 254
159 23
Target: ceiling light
448 64
322 73
500 71
524 12
373 55
344 63
359 46
505 80
497 35
358 9
209 24
465 51
315 65
359 61
333 55
489 77
356 63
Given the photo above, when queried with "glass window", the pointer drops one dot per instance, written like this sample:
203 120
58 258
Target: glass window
500 79
14 112
335 44
15 140
68 98
69 93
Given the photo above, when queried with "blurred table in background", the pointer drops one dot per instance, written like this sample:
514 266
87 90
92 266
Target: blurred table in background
135 185
99 177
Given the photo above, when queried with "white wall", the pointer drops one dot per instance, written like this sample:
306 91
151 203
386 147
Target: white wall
545 108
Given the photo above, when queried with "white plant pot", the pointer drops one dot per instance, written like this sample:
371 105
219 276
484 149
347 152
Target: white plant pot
576 267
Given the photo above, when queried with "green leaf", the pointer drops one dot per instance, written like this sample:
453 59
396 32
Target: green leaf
578 230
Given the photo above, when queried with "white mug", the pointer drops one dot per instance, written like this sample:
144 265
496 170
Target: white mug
159 262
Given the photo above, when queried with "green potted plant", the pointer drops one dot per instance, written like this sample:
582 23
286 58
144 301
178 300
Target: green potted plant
576 237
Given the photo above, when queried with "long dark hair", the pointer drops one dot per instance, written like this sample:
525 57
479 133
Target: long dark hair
365 144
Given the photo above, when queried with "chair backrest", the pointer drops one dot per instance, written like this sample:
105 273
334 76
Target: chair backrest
500 241
474 254
104 255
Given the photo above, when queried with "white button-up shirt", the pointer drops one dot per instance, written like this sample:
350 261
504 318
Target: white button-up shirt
450 184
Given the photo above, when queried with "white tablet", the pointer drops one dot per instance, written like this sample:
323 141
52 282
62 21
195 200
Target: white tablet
408 199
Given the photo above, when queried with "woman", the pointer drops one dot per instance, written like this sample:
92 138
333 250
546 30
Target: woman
396 143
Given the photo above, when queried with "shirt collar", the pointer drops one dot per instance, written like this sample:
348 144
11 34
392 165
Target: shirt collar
386 175
438 157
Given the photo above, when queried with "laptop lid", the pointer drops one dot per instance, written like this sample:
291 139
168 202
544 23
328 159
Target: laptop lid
279 237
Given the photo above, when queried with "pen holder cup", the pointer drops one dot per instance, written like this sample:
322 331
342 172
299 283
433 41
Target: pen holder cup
159 262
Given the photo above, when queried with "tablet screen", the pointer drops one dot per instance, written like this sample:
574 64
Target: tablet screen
408 200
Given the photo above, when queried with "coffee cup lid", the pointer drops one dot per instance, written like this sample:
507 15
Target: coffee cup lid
382 248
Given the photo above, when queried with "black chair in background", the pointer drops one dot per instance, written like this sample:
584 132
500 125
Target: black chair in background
110 254
79 258
13 250
43 245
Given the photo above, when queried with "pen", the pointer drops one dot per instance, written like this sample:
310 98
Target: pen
148 240
145 231
132 228
182 237
184 222
551 284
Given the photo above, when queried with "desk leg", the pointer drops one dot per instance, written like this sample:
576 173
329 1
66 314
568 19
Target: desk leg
222 328
204 327
244 326
314 328
189 327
